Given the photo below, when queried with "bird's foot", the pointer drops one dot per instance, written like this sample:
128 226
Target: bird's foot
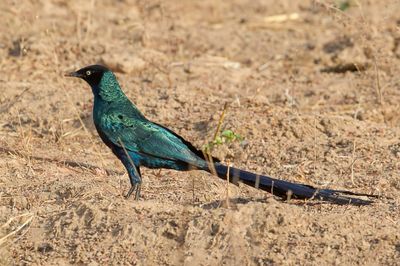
134 188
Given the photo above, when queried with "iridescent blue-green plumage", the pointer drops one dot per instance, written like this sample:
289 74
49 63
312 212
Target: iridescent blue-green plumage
123 126
137 142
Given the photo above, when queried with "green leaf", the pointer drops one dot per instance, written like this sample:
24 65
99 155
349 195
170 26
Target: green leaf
343 5
226 136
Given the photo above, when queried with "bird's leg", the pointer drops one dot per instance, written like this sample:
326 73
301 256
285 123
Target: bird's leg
136 182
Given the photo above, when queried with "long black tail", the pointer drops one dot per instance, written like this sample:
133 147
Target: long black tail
285 189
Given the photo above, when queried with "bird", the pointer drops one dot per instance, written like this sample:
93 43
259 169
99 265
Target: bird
137 141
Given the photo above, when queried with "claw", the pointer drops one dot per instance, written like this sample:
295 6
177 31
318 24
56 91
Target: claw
129 192
137 194
134 188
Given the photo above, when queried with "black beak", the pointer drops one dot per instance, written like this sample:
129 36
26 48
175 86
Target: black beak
73 74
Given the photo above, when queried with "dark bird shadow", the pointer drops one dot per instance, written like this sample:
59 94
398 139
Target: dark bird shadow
240 200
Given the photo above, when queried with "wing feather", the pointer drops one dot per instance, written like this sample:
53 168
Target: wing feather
145 137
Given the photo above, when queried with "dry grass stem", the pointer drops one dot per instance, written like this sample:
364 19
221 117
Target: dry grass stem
18 229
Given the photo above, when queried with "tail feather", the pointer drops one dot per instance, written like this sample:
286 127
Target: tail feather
285 189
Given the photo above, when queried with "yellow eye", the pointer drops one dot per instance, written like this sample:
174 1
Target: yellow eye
88 72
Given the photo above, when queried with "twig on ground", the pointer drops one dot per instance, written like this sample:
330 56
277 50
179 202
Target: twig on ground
6 106
59 161
19 228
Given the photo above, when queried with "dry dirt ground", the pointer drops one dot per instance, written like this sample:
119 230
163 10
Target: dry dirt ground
316 95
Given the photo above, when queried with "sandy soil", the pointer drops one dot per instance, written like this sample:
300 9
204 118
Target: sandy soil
317 98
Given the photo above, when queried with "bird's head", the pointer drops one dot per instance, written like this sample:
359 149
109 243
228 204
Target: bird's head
91 74
103 82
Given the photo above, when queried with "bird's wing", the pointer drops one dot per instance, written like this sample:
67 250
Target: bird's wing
189 145
143 136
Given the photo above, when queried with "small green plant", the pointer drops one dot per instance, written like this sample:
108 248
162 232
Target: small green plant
343 5
227 136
